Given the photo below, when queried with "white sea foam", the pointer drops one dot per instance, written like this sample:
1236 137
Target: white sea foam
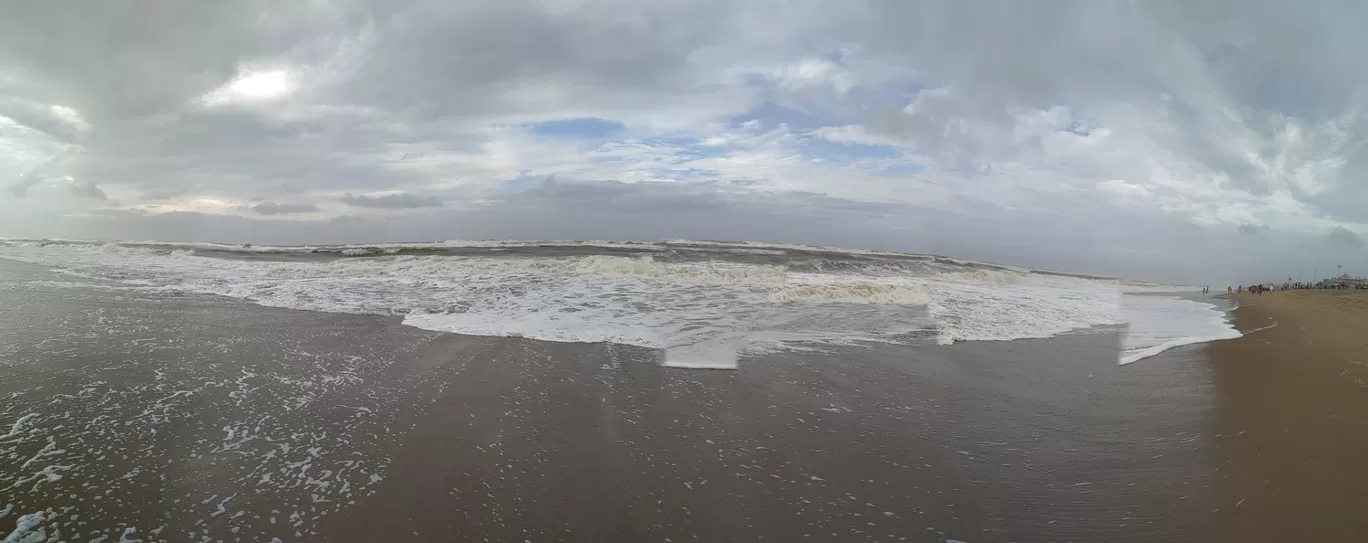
24 531
999 305
760 245
850 293
701 314
1159 323
995 276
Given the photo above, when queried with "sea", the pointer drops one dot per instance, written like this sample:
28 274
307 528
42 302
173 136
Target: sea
701 304
595 391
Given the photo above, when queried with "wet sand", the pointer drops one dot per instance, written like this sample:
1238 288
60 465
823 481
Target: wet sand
1293 406
972 444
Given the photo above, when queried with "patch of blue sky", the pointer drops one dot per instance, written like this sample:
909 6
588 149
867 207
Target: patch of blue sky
699 150
521 183
808 111
905 93
684 174
1081 128
902 170
770 115
843 152
525 182
646 150
859 102
584 128
689 146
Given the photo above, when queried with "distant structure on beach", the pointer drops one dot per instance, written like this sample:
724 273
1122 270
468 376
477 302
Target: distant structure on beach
1344 281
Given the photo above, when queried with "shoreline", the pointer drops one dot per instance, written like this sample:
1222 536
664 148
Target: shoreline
1292 413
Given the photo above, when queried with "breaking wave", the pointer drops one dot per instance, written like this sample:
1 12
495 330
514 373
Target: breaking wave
703 303
850 293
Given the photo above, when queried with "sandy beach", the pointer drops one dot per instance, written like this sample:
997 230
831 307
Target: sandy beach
1292 401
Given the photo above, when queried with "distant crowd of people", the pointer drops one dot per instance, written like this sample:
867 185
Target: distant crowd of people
1260 289
1253 289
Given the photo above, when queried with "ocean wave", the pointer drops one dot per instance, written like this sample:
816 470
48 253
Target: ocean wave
1158 323
993 276
647 266
850 293
701 310
758 248
972 311
1003 276
1138 287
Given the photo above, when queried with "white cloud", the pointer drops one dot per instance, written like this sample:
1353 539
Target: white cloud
854 133
807 73
72 117
1124 189
252 86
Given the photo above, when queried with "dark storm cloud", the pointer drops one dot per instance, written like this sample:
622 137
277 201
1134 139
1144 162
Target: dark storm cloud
88 189
115 60
47 169
1252 229
521 42
1342 238
401 200
20 188
272 208
42 118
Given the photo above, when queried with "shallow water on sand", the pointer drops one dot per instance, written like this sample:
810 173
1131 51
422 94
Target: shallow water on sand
200 418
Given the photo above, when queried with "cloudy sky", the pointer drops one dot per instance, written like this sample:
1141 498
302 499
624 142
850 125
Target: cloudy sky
1194 141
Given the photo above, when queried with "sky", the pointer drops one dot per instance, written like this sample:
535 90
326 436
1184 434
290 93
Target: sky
1200 142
